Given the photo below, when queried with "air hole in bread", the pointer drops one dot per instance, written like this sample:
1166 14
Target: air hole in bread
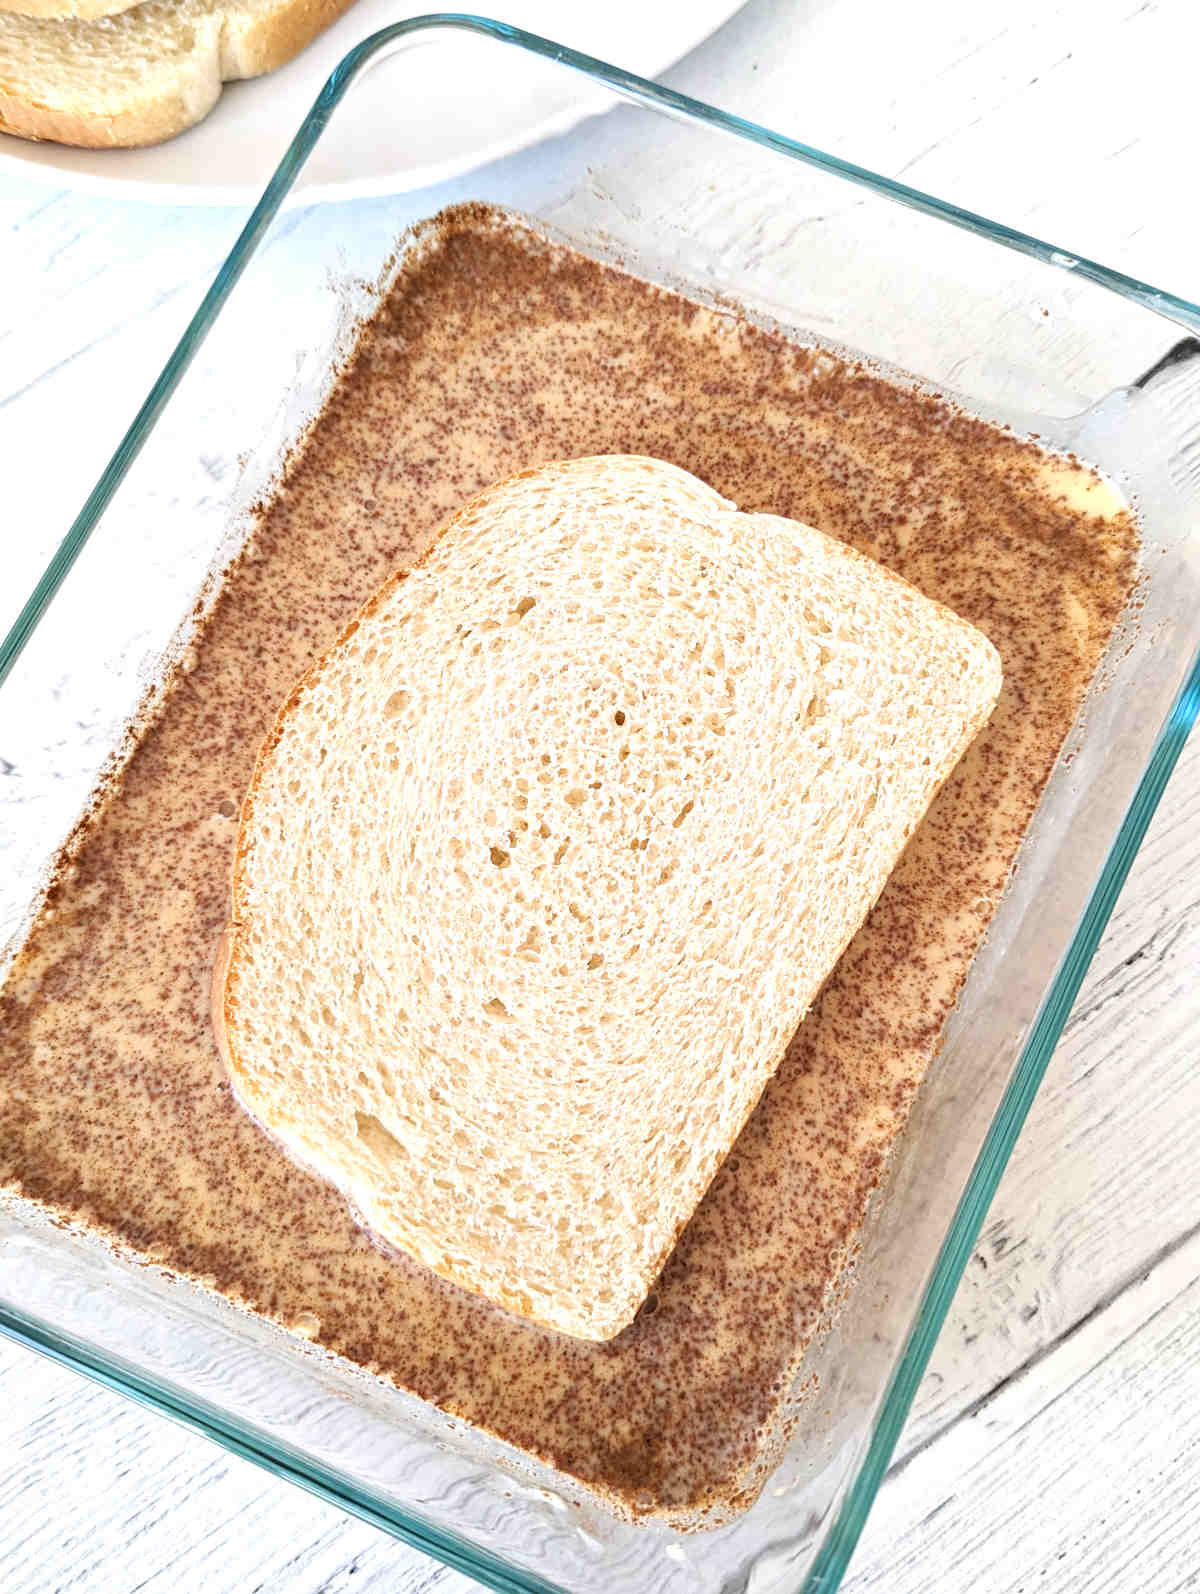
228 808
683 813
619 717
576 796
595 961
496 1008
500 858
378 1139
524 607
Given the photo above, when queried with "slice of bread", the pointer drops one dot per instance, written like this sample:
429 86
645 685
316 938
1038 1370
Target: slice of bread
145 73
547 857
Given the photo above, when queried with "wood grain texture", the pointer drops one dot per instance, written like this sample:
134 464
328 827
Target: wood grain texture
1079 1473
1055 1443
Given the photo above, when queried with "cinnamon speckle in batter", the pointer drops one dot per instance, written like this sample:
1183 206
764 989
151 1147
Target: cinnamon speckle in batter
495 352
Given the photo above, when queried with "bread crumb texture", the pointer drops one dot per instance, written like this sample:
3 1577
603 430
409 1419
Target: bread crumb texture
547 858
99 74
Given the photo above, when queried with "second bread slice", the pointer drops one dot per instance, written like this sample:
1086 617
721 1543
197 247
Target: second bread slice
145 72
550 853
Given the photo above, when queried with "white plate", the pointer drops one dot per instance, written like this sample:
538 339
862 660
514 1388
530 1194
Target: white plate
432 109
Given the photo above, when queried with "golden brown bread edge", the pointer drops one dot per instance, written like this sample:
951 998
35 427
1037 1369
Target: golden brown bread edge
268 43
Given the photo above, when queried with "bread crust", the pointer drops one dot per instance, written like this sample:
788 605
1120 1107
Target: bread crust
227 48
601 1324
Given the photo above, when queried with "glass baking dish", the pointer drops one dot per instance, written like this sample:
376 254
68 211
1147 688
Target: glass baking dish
681 193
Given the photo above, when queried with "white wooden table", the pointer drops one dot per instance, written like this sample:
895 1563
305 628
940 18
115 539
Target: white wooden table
1055 1442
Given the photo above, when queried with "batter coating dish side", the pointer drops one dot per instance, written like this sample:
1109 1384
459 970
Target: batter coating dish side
493 352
